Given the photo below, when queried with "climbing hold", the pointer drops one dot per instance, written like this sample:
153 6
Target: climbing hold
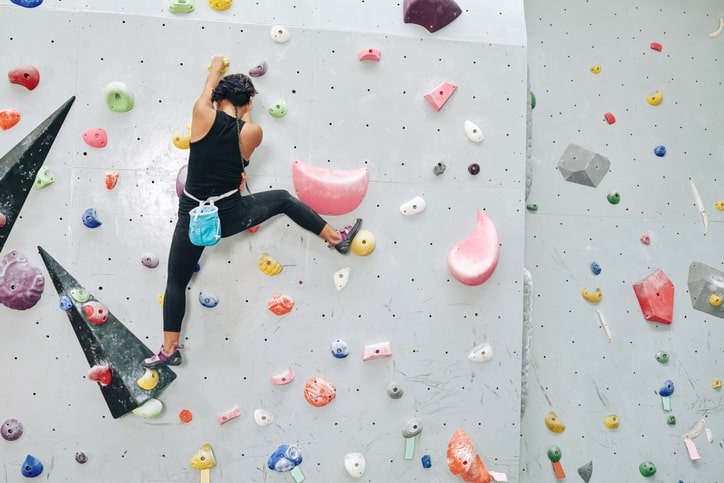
149 409
111 180
182 141
662 357
579 165
531 207
532 100
319 392
414 206
473 260
656 297
609 118
81 457
32 466
613 197
227 416
426 461
96 138
283 377
220 4
280 34
204 458
611 421
394 391
90 218
412 428
439 168
595 268
27 4
339 348
65 303
695 430
473 132
660 151
185 416
268 265
181 179
279 109
645 239
280 304
656 46
341 278
593 297
263 417
21 284
431 14
100 374
439 95
254 228
667 389
474 168
671 420
285 458
715 383
208 299
369 54
148 380
80 295
717 32
655 98
149 260
363 243
555 454
11 429
119 97
647 469
355 464
26 76
96 312
258 70
706 288
596 69
719 205
586 471
9 118
377 351
553 423
330 191
3 220
43 179
462 460
482 353
182 6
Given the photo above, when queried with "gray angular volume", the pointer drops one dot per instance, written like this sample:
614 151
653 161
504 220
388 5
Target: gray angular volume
579 165
706 288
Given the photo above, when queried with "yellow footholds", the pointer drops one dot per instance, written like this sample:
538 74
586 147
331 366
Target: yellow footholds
160 300
220 5
149 380
655 98
268 265
182 141
715 383
719 205
715 300
363 243
553 423
593 297
596 69
204 458
611 421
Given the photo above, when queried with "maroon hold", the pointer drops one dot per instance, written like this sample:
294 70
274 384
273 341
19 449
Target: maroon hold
26 76
81 457
474 169
431 14
11 429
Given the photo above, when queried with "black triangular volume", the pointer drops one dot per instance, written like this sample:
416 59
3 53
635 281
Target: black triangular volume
20 166
111 344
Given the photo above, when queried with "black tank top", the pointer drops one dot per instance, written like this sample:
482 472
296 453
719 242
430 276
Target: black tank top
215 160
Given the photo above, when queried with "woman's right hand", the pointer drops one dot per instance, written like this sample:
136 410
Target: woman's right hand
219 63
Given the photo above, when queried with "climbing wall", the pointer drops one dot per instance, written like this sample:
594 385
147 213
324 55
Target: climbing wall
574 369
343 114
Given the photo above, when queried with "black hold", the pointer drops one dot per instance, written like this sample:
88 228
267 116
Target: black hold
20 166
431 14
109 344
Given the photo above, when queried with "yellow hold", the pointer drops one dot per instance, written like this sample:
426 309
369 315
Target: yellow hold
220 5
611 421
363 243
593 297
182 141
204 458
655 98
149 380
596 69
553 423
715 300
268 265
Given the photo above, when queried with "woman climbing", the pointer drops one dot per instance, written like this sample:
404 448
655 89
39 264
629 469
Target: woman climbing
223 138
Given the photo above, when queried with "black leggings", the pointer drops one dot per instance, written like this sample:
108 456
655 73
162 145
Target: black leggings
237 213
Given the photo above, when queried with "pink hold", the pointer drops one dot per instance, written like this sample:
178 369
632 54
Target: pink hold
21 284
181 179
96 312
3 220
369 54
377 351
473 260
96 138
227 416
101 374
645 239
283 378
439 96
330 191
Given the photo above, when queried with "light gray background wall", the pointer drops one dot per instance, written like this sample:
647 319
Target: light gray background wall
342 114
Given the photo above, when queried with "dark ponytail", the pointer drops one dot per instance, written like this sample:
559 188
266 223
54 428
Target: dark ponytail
236 88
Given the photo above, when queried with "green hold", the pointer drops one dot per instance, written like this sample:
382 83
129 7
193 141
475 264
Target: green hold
554 453
279 109
614 197
671 420
80 295
532 100
181 6
149 409
647 469
662 357
531 207
119 97
43 179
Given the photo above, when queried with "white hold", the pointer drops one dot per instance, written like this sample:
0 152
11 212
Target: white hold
695 431
284 377
280 34
355 464
341 278
482 353
473 132
263 417
717 32
414 206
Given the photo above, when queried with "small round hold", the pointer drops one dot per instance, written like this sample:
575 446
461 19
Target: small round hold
439 168
662 357
531 207
90 218
647 469
614 197
671 420
426 461
413 427
715 383
3 220
280 34
595 268
258 70
474 168
81 457
208 300
667 389
339 349
65 303
554 453
473 132
656 46
119 97
715 300
263 417
482 353
611 421
11 429
645 239
149 260
394 391
185 416
279 109
660 151
596 69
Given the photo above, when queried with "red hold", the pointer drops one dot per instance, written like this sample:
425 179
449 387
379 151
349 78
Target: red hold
609 118
26 76
9 118
431 14
656 46
101 374
656 297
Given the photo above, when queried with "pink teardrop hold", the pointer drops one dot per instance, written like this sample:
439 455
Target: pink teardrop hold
473 260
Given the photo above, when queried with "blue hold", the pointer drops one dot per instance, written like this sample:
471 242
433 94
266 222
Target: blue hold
207 299
32 467
426 461
660 151
339 349
285 458
197 267
667 389
90 219
27 3
65 303
595 268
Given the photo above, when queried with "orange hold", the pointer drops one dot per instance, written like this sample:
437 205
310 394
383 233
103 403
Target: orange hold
462 460
280 304
111 180
253 229
185 416
9 118
319 392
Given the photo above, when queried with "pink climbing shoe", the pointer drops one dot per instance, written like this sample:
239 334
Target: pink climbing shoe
347 233
163 359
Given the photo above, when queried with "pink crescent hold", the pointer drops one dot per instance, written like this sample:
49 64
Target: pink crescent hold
330 191
473 260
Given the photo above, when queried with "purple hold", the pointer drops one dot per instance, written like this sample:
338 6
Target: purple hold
258 70
11 430
21 284
181 179
474 169
431 14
